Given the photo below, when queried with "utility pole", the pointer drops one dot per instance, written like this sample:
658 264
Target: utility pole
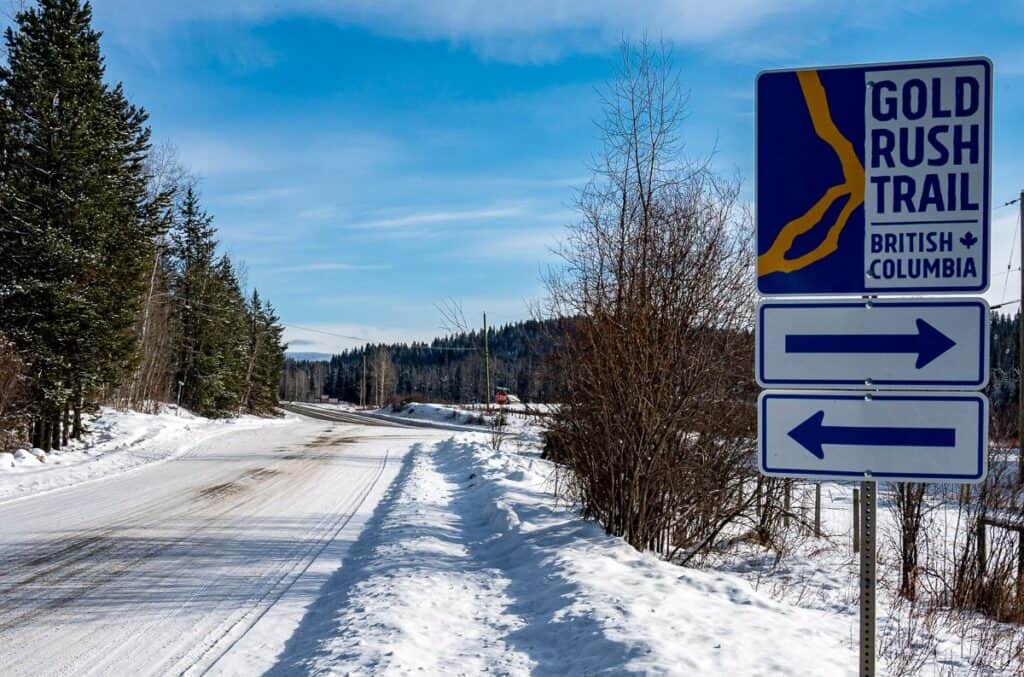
362 388
487 369
1020 365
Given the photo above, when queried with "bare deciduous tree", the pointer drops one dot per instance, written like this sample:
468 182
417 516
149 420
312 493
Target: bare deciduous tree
656 421
383 376
150 381
910 508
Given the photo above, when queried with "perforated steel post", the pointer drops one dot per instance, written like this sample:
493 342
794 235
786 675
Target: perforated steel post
868 503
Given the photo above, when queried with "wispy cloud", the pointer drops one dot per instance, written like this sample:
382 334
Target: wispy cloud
320 213
333 338
526 31
424 218
263 196
323 267
253 149
517 245
209 154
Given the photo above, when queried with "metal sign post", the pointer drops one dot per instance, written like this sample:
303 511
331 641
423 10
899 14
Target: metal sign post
868 504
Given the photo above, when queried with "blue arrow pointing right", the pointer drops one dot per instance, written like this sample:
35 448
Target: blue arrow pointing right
812 434
929 343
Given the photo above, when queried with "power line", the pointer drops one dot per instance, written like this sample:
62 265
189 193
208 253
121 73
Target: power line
329 333
1009 262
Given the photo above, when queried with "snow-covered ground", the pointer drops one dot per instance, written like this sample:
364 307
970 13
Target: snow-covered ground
822 574
470 566
439 416
207 561
118 441
302 546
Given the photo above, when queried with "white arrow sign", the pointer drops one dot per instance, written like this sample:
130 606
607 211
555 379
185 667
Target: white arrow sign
876 344
934 437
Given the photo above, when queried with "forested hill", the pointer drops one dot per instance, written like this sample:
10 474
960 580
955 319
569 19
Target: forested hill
451 369
1003 386
447 369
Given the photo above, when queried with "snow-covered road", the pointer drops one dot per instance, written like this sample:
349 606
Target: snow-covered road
172 567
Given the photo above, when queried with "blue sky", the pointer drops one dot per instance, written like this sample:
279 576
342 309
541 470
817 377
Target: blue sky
368 159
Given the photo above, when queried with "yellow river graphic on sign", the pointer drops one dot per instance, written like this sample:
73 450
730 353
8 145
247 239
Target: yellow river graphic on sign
774 260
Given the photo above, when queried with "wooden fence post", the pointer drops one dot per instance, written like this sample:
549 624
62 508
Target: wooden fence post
786 500
1020 567
982 556
817 510
757 498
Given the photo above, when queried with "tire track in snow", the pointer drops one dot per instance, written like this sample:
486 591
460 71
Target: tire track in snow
420 575
228 610
97 559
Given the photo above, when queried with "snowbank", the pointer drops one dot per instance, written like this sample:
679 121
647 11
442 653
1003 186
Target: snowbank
118 441
437 413
470 566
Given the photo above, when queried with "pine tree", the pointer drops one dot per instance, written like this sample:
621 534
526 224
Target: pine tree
265 357
75 237
194 283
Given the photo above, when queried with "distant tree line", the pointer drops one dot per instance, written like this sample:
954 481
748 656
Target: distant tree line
1004 383
448 369
111 290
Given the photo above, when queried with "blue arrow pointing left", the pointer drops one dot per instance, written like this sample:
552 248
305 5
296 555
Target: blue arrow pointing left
929 343
813 434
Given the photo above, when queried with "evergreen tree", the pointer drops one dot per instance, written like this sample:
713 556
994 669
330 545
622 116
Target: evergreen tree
227 341
72 195
266 357
210 315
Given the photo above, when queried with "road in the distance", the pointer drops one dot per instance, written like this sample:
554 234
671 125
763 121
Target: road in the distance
203 563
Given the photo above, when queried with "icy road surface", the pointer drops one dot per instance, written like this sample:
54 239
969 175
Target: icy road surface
166 569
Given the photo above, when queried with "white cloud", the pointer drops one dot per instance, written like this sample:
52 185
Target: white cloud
209 155
514 244
262 196
333 338
424 218
323 267
252 149
526 30
320 213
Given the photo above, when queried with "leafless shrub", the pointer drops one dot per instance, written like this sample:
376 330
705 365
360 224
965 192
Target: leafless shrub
908 640
498 424
656 421
936 541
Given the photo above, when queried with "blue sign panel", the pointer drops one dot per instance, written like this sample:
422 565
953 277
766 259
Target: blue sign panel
874 179
933 437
